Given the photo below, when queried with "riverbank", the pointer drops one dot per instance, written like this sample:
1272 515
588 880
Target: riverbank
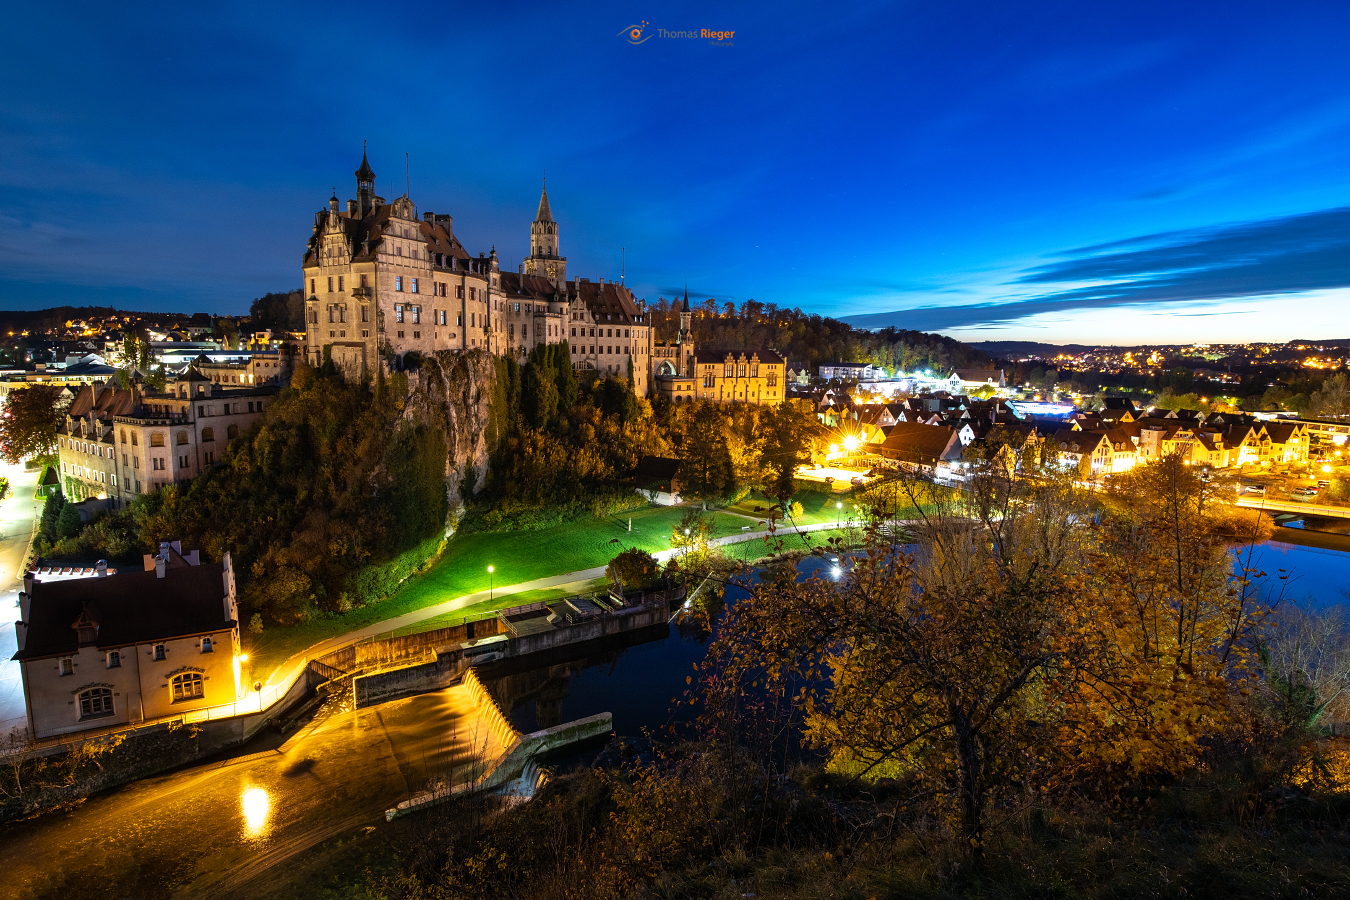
1323 540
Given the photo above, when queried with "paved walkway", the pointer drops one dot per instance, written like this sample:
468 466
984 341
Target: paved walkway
17 517
569 580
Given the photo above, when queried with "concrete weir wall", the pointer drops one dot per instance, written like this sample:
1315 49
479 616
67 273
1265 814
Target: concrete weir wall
452 661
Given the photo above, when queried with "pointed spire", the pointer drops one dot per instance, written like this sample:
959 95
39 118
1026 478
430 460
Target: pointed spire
685 306
545 214
365 173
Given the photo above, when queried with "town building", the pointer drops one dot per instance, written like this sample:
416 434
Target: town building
845 371
963 381
726 376
121 442
102 647
380 283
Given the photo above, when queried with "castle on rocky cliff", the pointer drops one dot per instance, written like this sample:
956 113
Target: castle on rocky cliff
380 282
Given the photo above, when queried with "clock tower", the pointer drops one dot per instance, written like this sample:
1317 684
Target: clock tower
544 259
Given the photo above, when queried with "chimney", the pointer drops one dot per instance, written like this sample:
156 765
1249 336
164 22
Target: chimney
101 568
351 208
159 566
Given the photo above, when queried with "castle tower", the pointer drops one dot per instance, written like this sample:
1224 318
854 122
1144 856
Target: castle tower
685 353
545 258
365 188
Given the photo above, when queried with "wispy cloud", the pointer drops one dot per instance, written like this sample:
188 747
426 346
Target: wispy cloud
1202 266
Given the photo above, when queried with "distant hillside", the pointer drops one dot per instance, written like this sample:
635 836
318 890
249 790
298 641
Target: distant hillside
812 339
1012 349
36 321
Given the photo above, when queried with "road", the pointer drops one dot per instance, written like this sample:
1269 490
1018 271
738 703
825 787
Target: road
17 517
1293 506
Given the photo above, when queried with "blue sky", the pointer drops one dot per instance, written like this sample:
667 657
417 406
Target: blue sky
1089 172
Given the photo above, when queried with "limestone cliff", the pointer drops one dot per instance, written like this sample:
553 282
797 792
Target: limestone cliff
455 389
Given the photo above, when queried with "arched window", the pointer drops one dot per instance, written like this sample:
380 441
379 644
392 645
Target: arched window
96 702
124 435
232 432
182 438
187 686
208 435
156 439
135 441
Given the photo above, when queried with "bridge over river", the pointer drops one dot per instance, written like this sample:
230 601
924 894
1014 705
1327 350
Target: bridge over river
1297 507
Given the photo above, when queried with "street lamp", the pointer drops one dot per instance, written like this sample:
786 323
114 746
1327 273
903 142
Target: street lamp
490 584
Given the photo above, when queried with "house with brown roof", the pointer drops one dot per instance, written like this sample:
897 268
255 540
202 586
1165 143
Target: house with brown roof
918 447
101 646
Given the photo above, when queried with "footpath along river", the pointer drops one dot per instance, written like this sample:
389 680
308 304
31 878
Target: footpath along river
228 828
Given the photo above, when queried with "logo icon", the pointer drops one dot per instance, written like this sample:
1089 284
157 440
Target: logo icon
634 34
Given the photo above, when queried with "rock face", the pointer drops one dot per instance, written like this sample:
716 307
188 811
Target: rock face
455 389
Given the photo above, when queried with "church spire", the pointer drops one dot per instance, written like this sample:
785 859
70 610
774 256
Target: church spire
685 306
545 214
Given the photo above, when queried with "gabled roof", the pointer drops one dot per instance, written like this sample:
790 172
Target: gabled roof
912 442
130 607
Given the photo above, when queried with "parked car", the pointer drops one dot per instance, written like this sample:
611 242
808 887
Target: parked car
1256 489
1304 492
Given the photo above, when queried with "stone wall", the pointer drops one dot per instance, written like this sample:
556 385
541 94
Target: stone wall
451 661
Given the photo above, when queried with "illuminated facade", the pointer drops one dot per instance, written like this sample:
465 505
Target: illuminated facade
101 647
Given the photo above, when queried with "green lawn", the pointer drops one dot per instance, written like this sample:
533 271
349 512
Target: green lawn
818 507
516 556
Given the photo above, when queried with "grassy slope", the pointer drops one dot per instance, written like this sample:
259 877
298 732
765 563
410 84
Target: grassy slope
517 556
818 507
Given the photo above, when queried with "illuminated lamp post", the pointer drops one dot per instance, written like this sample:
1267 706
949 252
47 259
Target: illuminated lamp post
490 585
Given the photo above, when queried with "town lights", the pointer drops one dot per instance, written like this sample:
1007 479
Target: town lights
851 443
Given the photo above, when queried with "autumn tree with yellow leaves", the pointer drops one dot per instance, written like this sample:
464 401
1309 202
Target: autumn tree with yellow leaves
1028 638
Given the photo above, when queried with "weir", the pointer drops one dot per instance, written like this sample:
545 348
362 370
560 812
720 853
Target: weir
536 632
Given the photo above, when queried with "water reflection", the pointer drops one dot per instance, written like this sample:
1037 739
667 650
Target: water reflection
256 806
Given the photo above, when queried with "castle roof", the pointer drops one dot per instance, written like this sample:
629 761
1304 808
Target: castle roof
545 214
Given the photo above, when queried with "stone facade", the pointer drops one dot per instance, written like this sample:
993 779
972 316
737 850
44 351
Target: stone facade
757 376
380 282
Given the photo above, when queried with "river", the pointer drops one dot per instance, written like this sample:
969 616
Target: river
229 828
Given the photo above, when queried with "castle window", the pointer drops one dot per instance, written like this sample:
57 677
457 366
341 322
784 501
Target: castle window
414 286
311 286
232 432
398 282
114 659
574 332
363 281
341 282
398 313
182 438
206 644
208 435
96 703
187 686
416 310
67 666
365 314
459 292
398 251
331 316
625 332
134 439
156 439
330 284
159 652
459 318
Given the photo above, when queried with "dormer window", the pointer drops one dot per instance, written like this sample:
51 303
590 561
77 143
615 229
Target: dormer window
114 659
